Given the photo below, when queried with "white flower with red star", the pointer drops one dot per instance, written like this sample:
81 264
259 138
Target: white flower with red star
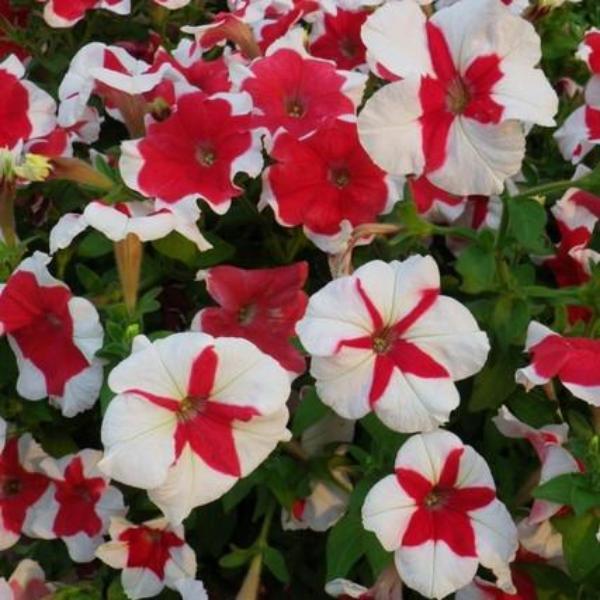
457 113
152 556
27 582
385 340
440 516
78 506
208 410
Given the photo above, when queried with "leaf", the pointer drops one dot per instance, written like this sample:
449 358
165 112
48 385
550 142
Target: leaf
527 224
571 489
309 411
275 562
344 547
176 247
557 490
477 267
495 382
89 279
510 317
237 558
94 245
580 546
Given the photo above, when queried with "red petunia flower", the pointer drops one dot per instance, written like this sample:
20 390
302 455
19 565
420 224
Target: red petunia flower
260 305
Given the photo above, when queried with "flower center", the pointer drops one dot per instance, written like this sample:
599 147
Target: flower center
348 48
206 156
246 314
457 96
11 486
383 341
53 321
294 108
340 177
436 498
190 407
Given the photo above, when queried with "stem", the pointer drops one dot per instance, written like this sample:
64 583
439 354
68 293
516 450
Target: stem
549 188
293 448
7 213
129 255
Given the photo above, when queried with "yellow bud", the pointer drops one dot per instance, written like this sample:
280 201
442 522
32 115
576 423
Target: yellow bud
35 167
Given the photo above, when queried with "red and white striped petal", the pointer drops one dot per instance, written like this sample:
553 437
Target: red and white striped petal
572 360
589 50
65 13
26 110
70 331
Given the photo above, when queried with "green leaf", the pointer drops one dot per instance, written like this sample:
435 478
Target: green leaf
89 279
115 591
510 318
344 547
527 224
580 546
572 489
176 247
94 245
275 562
237 558
495 382
477 267
558 489
309 411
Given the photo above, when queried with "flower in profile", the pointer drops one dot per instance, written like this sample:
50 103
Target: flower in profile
327 183
298 93
27 582
260 305
208 410
385 340
195 152
54 336
440 516
151 555
26 111
548 444
78 506
146 220
22 487
576 214
468 83
574 360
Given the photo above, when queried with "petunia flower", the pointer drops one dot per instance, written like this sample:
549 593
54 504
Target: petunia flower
54 336
516 6
580 132
328 499
548 444
298 93
196 152
336 37
26 111
172 4
145 219
78 506
388 586
480 589
66 13
440 516
207 410
385 340
541 542
589 50
27 582
576 214
574 360
260 305
327 183
152 555
22 487
457 114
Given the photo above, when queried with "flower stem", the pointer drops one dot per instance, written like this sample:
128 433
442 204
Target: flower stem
7 214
